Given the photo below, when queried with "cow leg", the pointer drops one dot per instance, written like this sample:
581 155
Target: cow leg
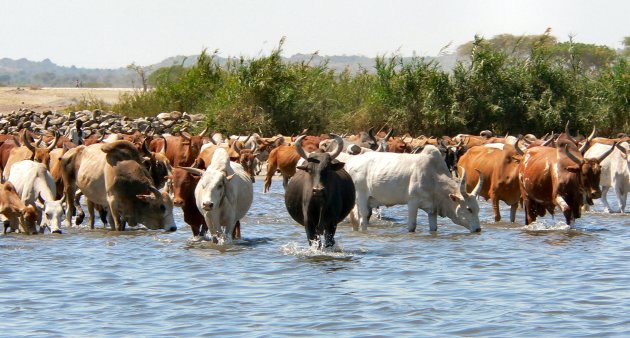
329 234
412 216
102 214
495 208
70 192
605 198
7 225
237 230
432 221
513 208
285 181
364 211
621 198
90 207
113 211
354 218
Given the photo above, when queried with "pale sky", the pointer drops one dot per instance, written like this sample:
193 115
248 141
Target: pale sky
114 33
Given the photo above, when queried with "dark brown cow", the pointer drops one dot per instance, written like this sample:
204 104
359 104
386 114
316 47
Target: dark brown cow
283 158
550 177
247 158
181 150
500 168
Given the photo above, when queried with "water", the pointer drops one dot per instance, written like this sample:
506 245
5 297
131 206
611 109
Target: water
541 280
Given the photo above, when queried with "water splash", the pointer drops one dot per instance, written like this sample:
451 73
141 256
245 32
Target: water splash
547 226
336 252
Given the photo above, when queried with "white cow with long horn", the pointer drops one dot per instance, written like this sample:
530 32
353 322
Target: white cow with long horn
421 181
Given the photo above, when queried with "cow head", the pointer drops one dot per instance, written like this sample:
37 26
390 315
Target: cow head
213 187
247 158
589 171
53 214
157 164
156 211
318 165
192 145
184 184
466 205
22 217
41 155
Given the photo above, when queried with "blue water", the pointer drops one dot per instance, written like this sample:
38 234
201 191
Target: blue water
509 280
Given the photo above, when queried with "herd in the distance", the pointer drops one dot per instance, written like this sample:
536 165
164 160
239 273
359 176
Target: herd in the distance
133 172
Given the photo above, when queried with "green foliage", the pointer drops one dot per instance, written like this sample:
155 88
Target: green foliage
506 84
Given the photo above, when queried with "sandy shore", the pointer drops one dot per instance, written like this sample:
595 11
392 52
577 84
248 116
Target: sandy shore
14 98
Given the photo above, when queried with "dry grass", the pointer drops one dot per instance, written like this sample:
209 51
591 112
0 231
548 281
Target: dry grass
40 99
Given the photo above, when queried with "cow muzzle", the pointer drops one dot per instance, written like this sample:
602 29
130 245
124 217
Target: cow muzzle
178 202
208 206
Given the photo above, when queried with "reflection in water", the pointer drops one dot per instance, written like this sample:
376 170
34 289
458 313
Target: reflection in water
503 281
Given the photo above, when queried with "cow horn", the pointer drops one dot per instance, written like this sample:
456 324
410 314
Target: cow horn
254 146
27 143
566 128
298 147
194 171
101 136
389 135
339 142
604 155
622 149
203 133
145 149
16 140
54 143
584 147
45 126
164 147
247 139
235 147
571 156
547 142
518 148
462 183
155 192
477 189
371 134
185 135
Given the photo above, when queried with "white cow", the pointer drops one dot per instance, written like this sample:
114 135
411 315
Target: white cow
224 194
615 172
421 181
36 187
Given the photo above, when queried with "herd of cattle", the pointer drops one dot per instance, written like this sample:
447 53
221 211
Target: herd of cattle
137 178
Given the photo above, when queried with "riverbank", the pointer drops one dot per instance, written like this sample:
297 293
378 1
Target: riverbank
42 99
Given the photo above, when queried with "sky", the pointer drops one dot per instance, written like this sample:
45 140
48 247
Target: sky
115 33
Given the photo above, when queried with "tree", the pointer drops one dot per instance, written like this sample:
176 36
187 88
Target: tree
626 47
142 73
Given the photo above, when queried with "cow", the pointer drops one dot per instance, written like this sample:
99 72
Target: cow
247 158
181 151
283 158
615 172
500 168
19 216
223 195
26 151
36 187
114 176
561 176
421 181
321 194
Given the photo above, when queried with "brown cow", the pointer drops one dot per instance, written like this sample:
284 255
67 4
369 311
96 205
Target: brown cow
247 158
283 158
500 168
550 177
182 150
26 151
19 216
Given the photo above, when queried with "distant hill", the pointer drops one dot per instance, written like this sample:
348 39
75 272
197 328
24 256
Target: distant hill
23 72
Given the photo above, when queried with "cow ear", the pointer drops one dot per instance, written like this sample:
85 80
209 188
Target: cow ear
337 166
573 169
302 167
454 198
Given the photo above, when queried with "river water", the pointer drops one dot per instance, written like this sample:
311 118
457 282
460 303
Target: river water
509 280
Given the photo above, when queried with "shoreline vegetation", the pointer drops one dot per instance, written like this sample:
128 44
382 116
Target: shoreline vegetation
528 84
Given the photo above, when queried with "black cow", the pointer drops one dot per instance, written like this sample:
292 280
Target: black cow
321 194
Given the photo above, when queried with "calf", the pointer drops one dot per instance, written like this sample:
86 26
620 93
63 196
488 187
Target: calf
19 217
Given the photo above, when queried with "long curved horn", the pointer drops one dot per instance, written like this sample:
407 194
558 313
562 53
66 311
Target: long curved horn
571 156
298 147
566 128
477 189
339 142
235 147
254 146
185 135
518 148
193 171
547 142
247 139
584 147
604 155
145 149
371 134
54 143
462 183
164 147
155 192
27 143
203 133
389 135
